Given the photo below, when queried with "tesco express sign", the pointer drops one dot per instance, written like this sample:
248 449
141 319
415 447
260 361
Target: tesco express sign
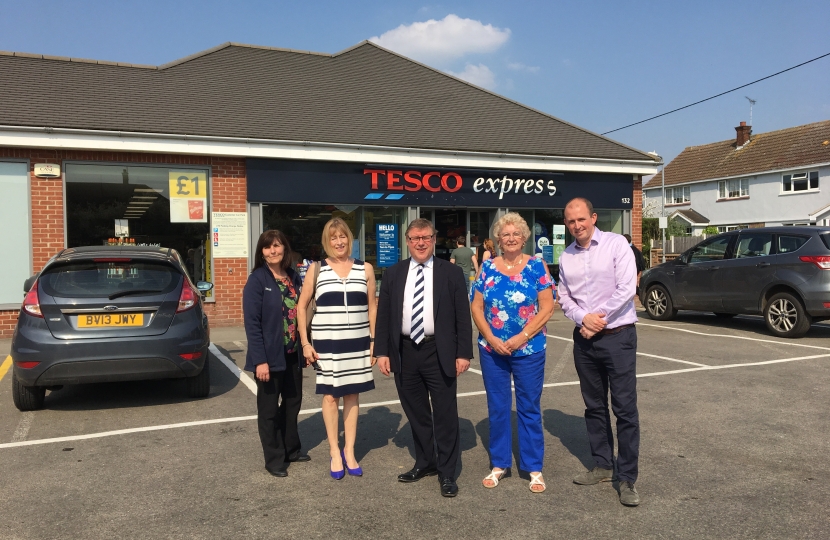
451 182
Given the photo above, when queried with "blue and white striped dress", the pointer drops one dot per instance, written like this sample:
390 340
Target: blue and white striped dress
340 330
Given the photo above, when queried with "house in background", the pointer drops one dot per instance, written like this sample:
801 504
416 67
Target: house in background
768 179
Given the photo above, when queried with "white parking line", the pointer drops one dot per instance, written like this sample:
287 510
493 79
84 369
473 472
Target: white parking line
790 343
377 404
243 377
644 354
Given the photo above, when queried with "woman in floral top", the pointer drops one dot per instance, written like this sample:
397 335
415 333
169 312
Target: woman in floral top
269 302
512 302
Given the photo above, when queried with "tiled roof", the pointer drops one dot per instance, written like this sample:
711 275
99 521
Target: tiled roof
786 148
692 216
363 95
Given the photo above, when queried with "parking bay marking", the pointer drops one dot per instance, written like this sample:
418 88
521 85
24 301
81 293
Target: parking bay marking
370 405
4 368
735 337
241 375
645 354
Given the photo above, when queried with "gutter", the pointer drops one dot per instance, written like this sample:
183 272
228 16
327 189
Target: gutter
315 144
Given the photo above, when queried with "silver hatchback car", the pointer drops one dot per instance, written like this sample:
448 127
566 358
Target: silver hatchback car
103 314
782 273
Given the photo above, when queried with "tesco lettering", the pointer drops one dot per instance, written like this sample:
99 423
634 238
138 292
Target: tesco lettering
451 182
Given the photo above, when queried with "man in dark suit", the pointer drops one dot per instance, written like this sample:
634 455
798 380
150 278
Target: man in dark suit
424 336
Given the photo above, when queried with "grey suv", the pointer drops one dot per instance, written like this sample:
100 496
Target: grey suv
102 314
782 273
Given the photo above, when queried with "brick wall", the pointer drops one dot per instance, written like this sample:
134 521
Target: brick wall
637 212
229 194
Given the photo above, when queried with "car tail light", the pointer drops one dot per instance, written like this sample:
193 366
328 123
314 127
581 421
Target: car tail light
822 261
191 355
27 365
31 304
187 299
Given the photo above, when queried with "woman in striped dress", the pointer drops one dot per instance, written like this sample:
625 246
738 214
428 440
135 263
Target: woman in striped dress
341 332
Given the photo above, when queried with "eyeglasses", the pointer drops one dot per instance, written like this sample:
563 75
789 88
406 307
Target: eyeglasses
417 239
509 235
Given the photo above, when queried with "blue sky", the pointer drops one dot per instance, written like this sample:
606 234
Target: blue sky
597 64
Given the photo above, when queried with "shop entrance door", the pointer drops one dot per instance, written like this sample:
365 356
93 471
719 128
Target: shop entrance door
449 225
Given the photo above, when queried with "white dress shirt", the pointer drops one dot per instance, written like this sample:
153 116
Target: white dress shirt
409 293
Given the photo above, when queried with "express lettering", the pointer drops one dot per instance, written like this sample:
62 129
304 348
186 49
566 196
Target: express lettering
509 185
415 181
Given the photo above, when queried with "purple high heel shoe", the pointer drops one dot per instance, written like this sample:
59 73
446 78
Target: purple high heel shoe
337 475
352 472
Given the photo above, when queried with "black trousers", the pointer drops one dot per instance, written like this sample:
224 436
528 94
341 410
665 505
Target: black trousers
420 381
277 420
610 362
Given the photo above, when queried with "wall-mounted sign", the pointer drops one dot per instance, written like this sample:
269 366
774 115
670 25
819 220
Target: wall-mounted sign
229 235
386 235
288 181
188 196
47 170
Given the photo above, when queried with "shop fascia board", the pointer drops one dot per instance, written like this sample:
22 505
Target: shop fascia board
120 141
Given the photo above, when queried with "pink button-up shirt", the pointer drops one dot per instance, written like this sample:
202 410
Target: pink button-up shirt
601 278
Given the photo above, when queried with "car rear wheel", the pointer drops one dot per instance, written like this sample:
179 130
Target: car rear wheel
27 398
199 386
658 304
785 316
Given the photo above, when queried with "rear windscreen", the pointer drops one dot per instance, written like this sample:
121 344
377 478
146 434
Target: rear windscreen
87 279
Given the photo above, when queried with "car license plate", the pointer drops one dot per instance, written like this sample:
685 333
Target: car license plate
110 320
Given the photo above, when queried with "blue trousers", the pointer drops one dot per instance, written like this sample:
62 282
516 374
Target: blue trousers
528 376
604 363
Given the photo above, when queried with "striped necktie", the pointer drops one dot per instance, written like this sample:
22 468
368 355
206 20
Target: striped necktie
417 332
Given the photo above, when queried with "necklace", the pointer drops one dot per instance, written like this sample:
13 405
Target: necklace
517 263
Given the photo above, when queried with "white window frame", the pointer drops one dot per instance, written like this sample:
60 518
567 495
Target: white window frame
734 188
672 197
805 176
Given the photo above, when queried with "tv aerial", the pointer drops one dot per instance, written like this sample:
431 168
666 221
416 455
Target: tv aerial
751 103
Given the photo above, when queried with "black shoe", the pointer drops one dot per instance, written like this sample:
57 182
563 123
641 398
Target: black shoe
279 473
448 487
416 474
301 458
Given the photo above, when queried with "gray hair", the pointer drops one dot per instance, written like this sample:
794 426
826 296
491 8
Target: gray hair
512 218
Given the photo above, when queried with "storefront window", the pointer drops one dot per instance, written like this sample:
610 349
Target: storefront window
374 216
143 206
16 247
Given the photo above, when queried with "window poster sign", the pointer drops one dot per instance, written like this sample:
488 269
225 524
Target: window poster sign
229 235
347 184
558 242
387 243
188 196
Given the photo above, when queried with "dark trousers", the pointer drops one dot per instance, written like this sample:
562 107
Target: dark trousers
277 421
610 362
420 381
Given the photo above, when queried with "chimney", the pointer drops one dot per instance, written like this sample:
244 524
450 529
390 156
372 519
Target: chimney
744 131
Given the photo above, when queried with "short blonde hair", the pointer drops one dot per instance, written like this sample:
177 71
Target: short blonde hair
511 218
336 225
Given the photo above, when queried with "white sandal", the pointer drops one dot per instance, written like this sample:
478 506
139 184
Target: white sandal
494 476
537 480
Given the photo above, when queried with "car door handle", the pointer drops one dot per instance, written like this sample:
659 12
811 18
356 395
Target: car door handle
762 264
714 268
669 273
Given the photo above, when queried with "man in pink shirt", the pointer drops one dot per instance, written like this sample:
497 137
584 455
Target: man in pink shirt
597 280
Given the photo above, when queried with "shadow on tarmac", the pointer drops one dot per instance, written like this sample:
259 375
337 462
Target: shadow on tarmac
571 432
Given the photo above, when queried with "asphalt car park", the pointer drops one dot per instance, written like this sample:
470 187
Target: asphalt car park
734 439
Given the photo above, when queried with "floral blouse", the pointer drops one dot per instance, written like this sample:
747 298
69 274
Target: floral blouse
289 313
510 302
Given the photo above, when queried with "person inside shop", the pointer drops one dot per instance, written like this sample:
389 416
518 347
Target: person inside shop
425 338
465 258
512 303
269 306
337 338
487 250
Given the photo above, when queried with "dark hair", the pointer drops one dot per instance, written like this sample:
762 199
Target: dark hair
627 237
461 241
419 223
582 200
267 239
